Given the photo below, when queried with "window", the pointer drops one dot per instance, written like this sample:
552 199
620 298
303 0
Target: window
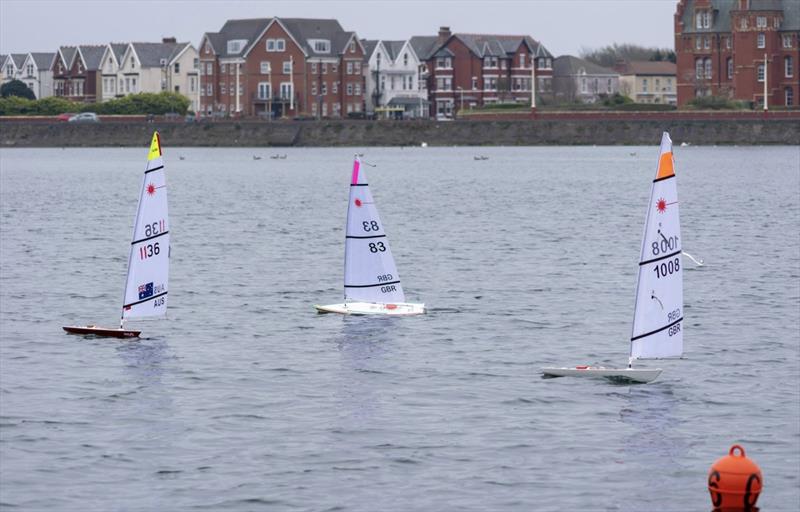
490 62
729 63
728 43
192 84
286 90
334 68
324 68
357 90
314 68
314 88
474 83
585 89
177 88
349 68
324 110
235 45
699 19
788 95
270 45
210 89
608 86
444 63
30 69
280 45
208 48
324 88
743 23
222 89
357 68
761 41
314 109
760 73
177 67
223 68
265 69
490 84
320 45
391 86
405 59
698 68
287 67
708 68
788 67
444 84
337 109
787 40
706 43
352 46
196 63
644 84
761 21
335 87
698 43
209 68
349 89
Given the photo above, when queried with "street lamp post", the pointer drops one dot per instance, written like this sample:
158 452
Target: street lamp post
461 91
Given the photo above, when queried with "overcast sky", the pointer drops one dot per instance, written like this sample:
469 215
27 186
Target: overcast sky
563 26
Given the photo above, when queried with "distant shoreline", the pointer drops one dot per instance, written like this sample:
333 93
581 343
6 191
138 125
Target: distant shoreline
542 130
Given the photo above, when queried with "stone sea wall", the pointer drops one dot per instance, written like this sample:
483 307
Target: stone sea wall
539 130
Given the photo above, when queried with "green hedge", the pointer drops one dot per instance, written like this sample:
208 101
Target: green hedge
716 103
134 104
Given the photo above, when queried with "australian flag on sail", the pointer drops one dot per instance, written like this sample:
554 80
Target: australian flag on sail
145 290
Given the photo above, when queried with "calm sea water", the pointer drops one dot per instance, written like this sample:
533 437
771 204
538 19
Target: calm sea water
246 399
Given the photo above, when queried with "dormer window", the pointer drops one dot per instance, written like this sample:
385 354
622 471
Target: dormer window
405 59
743 24
761 21
320 45
80 68
703 19
352 47
236 45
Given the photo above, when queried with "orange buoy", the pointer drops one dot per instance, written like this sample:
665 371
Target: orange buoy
734 481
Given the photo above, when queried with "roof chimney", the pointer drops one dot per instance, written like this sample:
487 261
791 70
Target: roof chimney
444 34
169 40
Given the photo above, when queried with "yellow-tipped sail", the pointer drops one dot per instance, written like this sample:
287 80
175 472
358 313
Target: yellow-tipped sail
155 147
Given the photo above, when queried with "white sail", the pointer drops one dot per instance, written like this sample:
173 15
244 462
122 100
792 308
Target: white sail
370 274
658 317
148 265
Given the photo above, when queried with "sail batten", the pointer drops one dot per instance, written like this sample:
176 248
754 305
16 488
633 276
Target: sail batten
657 330
370 273
147 282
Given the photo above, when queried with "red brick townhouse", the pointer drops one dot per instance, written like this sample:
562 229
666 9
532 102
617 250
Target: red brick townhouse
76 72
720 47
286 66
472 70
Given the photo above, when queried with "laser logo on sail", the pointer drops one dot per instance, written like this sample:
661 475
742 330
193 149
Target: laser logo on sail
151 189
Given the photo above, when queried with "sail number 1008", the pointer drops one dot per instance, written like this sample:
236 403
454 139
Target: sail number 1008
667 268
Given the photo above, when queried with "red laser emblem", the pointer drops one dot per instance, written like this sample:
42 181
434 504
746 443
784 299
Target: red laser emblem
661 205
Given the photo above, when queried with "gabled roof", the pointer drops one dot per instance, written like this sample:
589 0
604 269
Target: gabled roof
300 30
487 45
424 46
68 55
43 60
92 55
152 55
369 46
648 68
18 59
393 48
567 65
118 50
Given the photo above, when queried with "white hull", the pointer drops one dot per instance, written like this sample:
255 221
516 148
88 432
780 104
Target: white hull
370 308
641 375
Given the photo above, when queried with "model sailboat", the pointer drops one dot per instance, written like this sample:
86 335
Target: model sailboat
371 282
658 314
148 262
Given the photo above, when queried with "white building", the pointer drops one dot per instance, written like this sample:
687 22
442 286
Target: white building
12 66
33 69
394 85
151 67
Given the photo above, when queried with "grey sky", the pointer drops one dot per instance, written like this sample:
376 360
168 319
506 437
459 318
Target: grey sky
563 26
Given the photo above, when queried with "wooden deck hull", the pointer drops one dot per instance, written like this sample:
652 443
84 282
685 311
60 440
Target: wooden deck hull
108 332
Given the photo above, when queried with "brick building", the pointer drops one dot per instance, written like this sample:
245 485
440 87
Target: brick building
721 45
281 67
76 73
472 70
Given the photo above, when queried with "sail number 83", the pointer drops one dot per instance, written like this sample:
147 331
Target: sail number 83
667 268
370 225
377 247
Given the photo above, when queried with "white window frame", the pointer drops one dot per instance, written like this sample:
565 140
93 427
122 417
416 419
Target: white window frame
760 73
761 40
287 67
349 89
788 67
287 89
280 45
270 45
265 67
787 40
761 22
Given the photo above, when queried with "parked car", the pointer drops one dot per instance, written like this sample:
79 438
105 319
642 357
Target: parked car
65 116
84 117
